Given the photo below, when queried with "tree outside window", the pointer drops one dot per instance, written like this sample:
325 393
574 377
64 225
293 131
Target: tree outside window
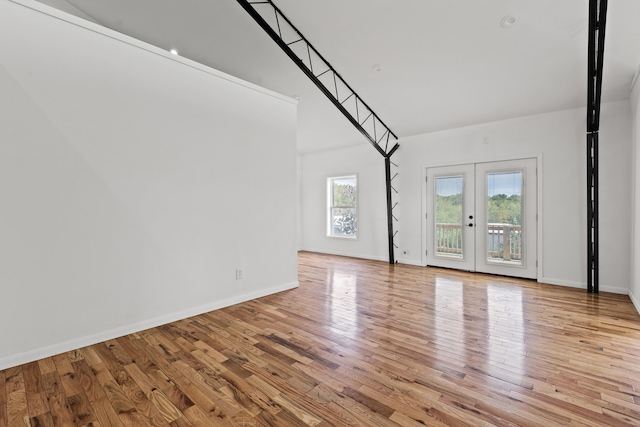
342 194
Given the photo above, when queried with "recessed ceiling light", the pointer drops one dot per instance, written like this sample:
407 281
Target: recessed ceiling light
509 20
377 68
174 51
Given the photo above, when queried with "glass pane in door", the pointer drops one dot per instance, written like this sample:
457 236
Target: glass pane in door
504 218
449 240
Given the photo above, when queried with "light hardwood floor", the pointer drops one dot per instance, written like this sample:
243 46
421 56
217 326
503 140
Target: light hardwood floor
359 343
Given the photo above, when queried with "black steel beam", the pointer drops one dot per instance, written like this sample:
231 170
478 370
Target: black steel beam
595 61
247 5
393 150
368 113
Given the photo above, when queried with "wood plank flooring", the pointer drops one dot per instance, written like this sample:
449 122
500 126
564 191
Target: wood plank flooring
359 343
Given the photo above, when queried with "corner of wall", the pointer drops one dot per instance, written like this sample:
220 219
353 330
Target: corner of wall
635 301
634 288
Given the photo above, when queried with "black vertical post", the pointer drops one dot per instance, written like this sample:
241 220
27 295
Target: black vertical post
596 221
387 169
589 212
595 61
388 179
592 213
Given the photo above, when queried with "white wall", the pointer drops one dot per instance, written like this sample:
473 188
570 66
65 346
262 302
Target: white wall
368 164
559 137
132 185
635 235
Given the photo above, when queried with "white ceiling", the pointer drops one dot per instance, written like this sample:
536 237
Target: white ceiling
444 64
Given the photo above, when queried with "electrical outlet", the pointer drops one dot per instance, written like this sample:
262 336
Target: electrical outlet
239 274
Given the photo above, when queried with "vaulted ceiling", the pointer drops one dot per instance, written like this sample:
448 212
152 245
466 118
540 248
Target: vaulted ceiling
422 65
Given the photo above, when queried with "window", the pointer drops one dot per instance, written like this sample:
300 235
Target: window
342 192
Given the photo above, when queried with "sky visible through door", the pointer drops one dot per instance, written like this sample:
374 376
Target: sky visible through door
507 183
501 184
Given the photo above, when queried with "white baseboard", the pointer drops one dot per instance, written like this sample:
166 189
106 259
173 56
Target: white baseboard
347 254
635 301
612 289
41 353
410 262
560 282
360 256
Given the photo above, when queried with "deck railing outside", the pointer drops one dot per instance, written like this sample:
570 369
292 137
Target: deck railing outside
504 241
449 239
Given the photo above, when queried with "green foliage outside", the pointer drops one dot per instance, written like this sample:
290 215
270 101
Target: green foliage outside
505 210
449 209
344 214
344 195
502 209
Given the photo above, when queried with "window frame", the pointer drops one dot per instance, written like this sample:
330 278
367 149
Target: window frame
330 206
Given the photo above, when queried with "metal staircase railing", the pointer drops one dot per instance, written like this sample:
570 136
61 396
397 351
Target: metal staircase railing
335 88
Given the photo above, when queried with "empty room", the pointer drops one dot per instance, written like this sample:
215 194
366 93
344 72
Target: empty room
319 213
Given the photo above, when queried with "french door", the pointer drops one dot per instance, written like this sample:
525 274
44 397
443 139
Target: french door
483 217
